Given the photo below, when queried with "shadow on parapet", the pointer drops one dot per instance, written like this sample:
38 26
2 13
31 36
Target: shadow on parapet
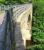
18 37
7 32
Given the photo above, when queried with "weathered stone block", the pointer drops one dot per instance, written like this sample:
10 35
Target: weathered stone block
22 17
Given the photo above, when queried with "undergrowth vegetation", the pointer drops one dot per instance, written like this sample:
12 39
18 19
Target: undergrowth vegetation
14 1
38 25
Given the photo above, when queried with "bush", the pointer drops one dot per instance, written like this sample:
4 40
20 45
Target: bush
38 25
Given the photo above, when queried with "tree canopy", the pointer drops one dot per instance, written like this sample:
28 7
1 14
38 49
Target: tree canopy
14 1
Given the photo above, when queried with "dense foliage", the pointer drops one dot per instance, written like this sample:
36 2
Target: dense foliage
38 25
14 1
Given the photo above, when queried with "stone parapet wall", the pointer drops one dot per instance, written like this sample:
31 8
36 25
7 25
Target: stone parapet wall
22 18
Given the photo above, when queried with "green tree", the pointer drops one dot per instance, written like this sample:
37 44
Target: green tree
38 25
14 1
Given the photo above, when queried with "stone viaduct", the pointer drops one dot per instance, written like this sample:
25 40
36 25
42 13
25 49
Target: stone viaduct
21 16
